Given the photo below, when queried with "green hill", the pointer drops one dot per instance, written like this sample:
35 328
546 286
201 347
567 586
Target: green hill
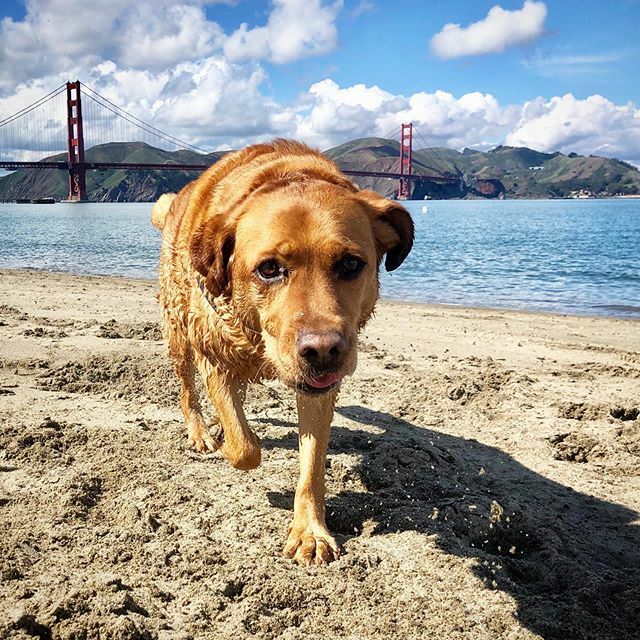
112 185
513 172
521 172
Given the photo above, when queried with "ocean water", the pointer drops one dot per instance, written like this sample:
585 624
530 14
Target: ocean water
569 256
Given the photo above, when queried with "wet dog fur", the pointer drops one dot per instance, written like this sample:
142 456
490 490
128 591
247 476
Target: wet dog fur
268 269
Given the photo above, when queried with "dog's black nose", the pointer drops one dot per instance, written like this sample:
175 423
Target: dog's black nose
321 350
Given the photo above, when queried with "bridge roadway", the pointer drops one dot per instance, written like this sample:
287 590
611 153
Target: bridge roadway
104 166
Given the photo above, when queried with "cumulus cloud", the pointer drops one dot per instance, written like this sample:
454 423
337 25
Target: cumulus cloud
295 29
140 35
496 32
156 39
154 35
197 102
329 114
593 125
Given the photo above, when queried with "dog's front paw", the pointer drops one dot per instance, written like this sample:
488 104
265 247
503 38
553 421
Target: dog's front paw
307 546
203 439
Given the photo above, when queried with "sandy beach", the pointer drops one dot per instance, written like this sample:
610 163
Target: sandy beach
482 480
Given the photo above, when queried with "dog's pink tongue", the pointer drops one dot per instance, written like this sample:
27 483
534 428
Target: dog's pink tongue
321 382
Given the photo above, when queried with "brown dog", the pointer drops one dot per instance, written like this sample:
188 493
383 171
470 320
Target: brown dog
269 267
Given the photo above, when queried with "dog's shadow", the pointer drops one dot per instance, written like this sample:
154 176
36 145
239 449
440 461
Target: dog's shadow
570 561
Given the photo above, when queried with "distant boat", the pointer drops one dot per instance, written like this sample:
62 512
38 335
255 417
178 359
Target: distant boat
35 201
425 208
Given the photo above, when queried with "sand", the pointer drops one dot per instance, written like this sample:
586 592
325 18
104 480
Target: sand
482 480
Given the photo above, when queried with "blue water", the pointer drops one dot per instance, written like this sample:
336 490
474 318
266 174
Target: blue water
571 256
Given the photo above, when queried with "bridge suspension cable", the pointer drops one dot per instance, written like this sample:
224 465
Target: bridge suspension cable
32 106
36 130
40 128
137 122
393 134
436 162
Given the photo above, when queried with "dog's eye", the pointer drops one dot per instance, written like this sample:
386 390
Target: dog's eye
270 270
349 267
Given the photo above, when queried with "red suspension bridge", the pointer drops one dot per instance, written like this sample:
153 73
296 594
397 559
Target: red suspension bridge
92 119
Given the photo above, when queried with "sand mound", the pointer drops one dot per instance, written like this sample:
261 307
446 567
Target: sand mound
117 376
141 331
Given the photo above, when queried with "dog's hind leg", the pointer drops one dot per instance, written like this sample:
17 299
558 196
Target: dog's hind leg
240 446
200 438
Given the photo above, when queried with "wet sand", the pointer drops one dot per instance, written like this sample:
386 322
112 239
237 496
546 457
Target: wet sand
482 480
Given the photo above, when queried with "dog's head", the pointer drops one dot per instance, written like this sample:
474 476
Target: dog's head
300 263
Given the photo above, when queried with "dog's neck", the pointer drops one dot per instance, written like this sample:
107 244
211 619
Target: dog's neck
206 294
247 343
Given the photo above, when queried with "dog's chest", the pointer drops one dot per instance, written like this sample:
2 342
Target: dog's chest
222 337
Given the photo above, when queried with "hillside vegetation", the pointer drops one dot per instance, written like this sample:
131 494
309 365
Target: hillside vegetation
113 185
523 172
512 172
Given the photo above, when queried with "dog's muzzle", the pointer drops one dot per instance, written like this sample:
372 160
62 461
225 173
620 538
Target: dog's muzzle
322 353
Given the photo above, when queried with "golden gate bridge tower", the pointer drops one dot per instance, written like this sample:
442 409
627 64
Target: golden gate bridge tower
406 144
75 144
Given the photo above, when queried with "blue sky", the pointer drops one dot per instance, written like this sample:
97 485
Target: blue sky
550 74
388 45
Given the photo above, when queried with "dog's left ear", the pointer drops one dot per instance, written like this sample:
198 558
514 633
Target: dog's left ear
392 229
211 250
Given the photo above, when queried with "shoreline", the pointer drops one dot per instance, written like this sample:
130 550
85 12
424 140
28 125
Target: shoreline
469 199
508 310
383 299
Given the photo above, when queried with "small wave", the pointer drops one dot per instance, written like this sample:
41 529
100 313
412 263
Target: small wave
620 308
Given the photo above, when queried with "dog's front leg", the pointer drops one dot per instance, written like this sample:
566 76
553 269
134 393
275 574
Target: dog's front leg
309 540
240 445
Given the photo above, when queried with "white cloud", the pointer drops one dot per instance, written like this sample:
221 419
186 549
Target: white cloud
593 125
295 29
573 64
364 6
153 35
141 35
156 37
499 30
329 114
587 59
197 102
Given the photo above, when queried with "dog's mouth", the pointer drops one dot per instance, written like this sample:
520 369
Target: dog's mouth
319 383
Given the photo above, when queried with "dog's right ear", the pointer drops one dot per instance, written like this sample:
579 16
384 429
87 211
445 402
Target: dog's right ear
211 251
